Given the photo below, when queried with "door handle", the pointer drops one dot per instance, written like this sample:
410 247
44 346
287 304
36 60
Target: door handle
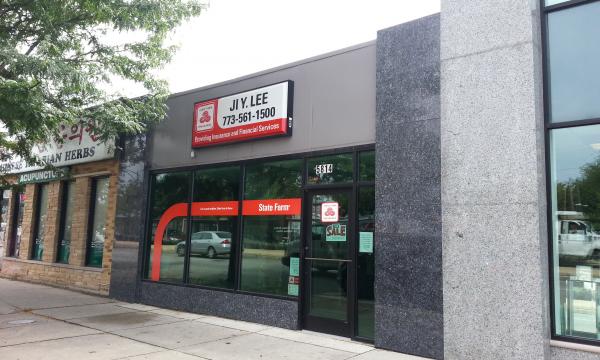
322 259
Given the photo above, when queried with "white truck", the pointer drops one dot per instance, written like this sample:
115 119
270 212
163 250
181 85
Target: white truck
576 237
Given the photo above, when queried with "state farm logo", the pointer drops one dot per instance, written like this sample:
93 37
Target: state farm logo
204 117
330 212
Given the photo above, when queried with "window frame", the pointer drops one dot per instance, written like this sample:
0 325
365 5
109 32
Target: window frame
90 220
548 127
146 248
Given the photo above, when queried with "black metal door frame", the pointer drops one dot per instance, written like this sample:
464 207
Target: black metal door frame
324 325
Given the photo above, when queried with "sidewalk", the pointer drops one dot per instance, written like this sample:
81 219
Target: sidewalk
40 322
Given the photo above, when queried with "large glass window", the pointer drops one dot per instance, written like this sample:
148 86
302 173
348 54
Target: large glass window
575 157
4 197
572 55
16 222
168 225
271 239
214 227
66 223
37 250
572 50
97 231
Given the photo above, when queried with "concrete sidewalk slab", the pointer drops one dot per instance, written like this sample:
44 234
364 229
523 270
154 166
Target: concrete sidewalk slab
178 314
233 324
21 319
180 334
257 347
35 333
319 340
74 312
7 309
92 347
129 320
385 355
165 355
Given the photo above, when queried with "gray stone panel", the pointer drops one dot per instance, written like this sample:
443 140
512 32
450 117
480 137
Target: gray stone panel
470 27
408 263
262 310
493 182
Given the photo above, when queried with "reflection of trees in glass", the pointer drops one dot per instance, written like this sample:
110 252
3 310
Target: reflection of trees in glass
274 180
169 189
582 194
221 184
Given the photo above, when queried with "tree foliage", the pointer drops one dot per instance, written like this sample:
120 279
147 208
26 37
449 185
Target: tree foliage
58 58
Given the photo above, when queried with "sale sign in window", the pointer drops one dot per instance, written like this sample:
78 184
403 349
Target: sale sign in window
254 114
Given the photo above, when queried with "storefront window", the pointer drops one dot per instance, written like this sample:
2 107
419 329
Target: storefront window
572 56
64 240
330 169
168 225
95 246
4 197
366 166
40 227
14 244
214 227
366 262
575 173
271 236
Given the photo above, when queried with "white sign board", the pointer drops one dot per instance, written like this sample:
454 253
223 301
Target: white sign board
330 212
79 145
254 114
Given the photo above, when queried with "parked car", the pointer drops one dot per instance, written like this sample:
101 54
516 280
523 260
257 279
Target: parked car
208 243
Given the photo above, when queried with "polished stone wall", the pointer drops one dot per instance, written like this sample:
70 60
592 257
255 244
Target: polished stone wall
493 181
408 257
258 309
129 220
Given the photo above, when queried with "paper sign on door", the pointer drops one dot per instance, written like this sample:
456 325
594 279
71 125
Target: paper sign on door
330 212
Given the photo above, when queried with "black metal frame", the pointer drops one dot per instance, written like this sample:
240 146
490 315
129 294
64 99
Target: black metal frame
236 245
548 127
15 205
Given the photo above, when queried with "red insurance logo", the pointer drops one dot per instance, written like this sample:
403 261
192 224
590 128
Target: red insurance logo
204 116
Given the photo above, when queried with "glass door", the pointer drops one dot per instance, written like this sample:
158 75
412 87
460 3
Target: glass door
328 262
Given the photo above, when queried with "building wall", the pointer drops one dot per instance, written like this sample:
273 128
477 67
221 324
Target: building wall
493 182
334 106
74 275
408 260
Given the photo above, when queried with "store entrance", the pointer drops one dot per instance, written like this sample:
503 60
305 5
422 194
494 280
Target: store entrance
329 263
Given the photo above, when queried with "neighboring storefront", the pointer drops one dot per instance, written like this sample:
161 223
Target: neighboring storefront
57 225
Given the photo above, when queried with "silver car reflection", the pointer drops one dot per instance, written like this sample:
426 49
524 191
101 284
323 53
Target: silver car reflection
208 243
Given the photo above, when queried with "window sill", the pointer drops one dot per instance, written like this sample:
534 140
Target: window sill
575 346
58 265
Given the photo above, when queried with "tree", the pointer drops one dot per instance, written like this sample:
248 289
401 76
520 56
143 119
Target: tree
57 61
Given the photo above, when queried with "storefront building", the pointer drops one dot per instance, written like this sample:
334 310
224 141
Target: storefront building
57 225
432 192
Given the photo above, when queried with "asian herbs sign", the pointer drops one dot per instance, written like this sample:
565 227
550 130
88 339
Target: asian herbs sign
79 144
255 114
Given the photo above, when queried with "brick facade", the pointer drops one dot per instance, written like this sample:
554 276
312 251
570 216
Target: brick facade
74 275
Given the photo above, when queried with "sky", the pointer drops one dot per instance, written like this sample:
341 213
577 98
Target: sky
233 38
